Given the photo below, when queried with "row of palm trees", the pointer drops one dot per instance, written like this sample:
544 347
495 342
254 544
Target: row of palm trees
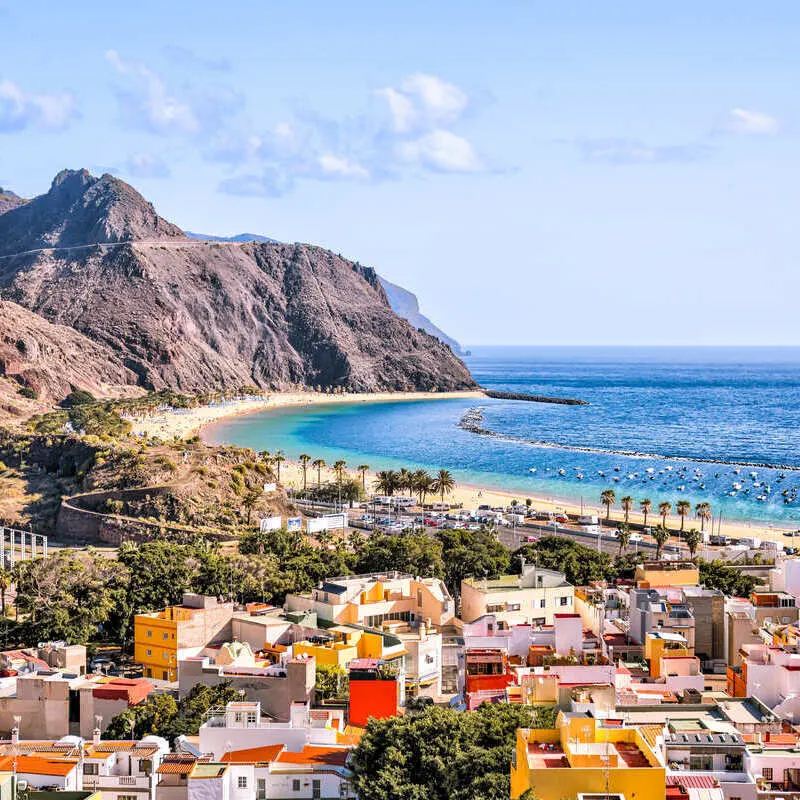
418 482
683 508
692 537
386 482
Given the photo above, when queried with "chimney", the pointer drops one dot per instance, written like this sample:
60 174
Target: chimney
14 735
96 736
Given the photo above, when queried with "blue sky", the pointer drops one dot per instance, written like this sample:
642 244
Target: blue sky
537 172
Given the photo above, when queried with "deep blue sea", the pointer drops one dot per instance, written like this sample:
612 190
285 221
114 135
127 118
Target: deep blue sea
700 421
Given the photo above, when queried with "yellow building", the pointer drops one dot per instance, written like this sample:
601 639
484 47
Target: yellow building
667 573
664 644
164 638
348 644
583 754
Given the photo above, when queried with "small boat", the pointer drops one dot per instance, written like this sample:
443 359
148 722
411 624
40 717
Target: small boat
681 488
650 470
736 471
579 476
736 486
562 472
753 474
532 469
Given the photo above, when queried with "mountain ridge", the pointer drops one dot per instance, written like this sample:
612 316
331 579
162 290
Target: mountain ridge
184 316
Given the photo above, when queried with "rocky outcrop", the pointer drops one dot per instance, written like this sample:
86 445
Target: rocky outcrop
52 360
193 315
9 200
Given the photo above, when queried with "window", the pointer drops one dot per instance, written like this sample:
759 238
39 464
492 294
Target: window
238 717
512 607
241 782
164 675
564 601
295 785
149 632
146 766
165 655
316 788
165 636
429 659
704 763
149 652
766 773
493 609
419 597
542 603
251 718
126 797
344 789
91 769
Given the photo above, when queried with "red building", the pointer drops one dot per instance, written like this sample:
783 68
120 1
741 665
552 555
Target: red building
374 690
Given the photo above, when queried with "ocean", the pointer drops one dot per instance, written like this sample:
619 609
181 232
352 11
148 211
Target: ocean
718 425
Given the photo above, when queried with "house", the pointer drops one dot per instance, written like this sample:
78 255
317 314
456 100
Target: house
772 674
532 597
586 755
370 600
376 690
275 686
164 638
119 769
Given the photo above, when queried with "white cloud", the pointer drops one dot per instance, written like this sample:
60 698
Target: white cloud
336 167
743 120
424 101
147 165
44 112
151 104
634 151
441 151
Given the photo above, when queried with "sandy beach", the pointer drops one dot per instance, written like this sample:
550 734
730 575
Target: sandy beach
184 424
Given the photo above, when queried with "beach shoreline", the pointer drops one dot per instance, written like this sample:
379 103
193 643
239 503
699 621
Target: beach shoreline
187 423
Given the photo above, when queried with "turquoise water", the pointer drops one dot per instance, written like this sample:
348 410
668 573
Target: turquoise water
662 423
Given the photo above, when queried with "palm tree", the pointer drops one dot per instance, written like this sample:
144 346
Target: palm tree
404 480
318 464
683 507
386 482
661 536
693 539
5 582
304 458
646 505
664 509
608 498
623 536
423 485
703 511
443 483
338 468
277 460
627 506
363 469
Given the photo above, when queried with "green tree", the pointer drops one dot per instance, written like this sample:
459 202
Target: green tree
250 501
646 505
304 459
703 512
152 717
683 507
276 461
608 498
413 553
362 470
580 564
718 575
6 579
661 537
623 536
443 483
477 553
331 683
627 506
386 482
318 464
664 509
339 469
693 539
423 485
440 754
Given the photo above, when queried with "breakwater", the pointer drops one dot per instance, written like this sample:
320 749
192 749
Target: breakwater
535 398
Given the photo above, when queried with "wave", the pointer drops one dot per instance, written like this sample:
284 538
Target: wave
472 420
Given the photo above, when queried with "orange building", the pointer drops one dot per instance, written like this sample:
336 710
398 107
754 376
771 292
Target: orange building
374 691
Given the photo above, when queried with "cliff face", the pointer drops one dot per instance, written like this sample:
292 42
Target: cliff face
193 315
406 305
52 360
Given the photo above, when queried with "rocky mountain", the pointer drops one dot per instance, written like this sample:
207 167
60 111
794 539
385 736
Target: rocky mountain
406 305
403 302
9 200
51 360
195 315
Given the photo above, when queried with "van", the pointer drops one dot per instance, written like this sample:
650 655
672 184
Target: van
588 519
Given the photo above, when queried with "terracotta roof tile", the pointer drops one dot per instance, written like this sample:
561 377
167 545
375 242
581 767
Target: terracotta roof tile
316 756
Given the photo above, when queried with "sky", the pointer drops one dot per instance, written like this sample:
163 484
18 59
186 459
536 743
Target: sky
536 172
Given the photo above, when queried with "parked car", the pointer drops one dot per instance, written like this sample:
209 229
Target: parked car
101 664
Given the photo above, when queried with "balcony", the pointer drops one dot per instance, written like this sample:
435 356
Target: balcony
114 782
